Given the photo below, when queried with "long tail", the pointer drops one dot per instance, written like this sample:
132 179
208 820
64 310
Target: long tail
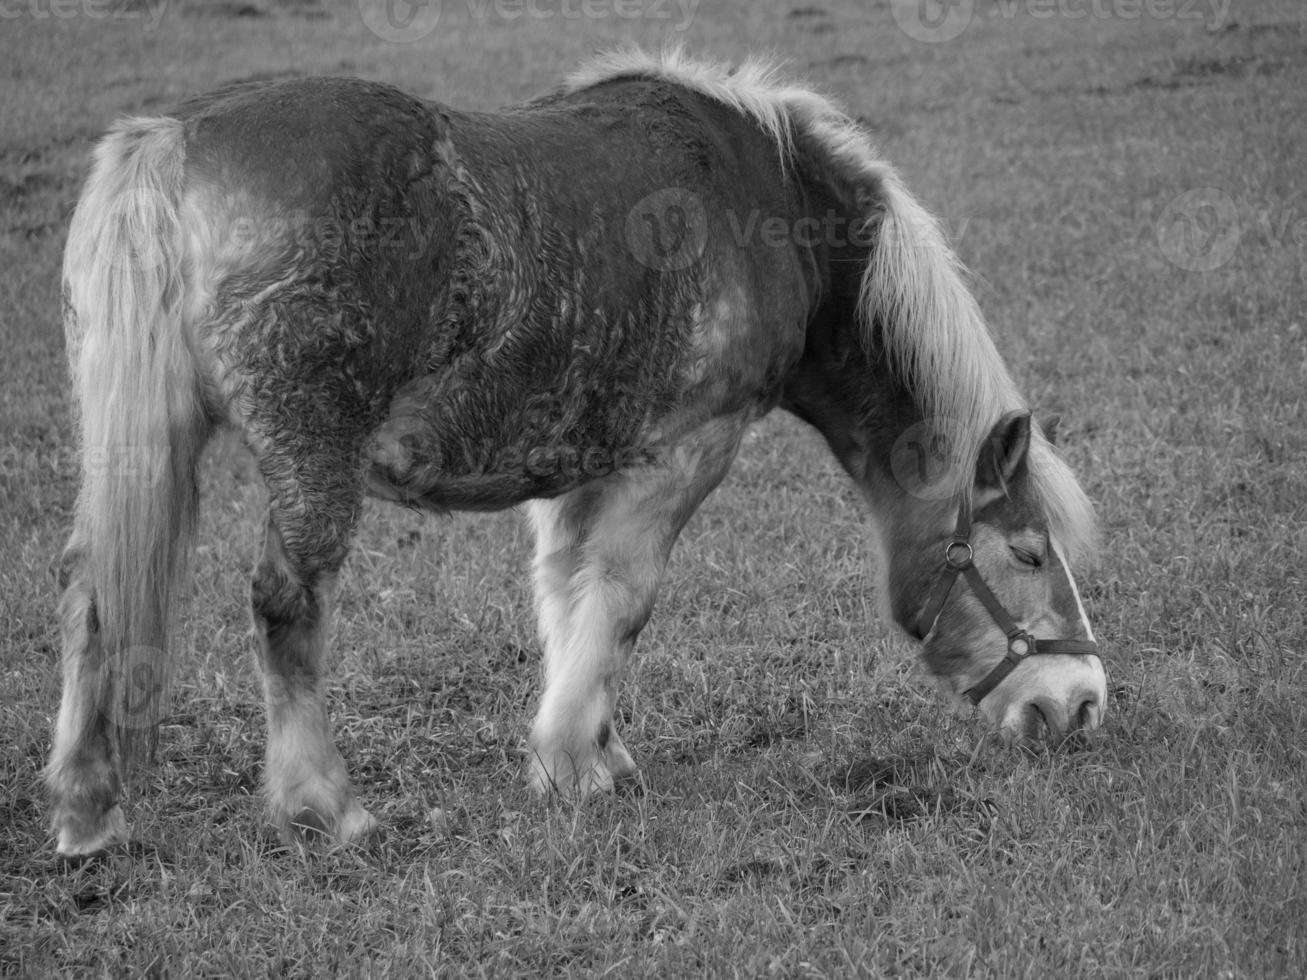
142 421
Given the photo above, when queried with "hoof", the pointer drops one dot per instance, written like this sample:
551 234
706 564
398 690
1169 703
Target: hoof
577 775
87 838
569 780
309 824
356 825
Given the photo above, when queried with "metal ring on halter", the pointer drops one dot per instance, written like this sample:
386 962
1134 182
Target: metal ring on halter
955 564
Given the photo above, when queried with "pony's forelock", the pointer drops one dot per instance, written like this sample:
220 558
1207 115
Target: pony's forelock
1070 515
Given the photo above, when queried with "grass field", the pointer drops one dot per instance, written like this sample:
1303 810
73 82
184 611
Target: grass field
1127 186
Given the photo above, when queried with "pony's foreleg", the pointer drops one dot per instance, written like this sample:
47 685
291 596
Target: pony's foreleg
558 526
292 592
601 551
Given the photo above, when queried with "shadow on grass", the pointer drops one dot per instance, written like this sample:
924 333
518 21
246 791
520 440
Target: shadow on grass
896 790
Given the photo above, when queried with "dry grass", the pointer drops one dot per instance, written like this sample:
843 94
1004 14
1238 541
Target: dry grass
808 809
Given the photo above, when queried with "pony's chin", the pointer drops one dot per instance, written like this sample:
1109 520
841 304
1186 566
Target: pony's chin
954 697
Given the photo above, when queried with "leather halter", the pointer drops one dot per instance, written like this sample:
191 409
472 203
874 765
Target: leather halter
958 560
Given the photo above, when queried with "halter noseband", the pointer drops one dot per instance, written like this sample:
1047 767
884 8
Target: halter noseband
958 560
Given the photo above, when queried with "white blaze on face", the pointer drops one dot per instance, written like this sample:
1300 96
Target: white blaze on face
1068 691
1067 587
1095 663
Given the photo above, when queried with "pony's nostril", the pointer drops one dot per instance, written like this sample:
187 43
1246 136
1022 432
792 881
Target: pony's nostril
1037 725
1087 715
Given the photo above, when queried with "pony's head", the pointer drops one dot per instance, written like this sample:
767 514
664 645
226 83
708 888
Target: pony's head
994 601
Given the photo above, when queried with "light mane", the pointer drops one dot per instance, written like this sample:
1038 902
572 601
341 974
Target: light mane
914 287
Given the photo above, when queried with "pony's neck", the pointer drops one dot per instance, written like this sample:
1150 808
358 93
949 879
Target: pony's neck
875 428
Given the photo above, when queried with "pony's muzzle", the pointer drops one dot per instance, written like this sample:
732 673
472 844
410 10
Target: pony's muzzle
1048 701
1047 720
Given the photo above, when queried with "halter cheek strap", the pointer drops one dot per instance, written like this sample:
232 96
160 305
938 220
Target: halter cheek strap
959 560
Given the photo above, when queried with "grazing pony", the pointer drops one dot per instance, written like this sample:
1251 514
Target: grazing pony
578 305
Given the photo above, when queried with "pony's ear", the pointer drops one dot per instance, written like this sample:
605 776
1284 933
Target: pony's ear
1050 425
1004 452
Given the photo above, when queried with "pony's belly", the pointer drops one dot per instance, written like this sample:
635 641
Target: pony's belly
400 472
462 454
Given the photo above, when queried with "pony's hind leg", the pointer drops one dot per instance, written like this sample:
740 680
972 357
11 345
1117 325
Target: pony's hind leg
312 516
600 555
83 773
